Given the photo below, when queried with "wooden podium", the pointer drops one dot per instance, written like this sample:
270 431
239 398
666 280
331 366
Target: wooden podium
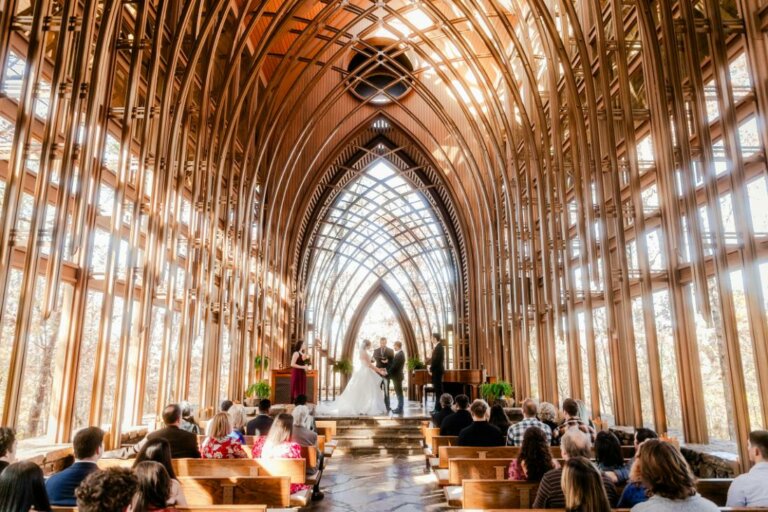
280 384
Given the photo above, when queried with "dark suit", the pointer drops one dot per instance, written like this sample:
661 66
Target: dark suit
395 374
378 356
437 367
481 433
439 416
61 486
261 424
183 443
454 423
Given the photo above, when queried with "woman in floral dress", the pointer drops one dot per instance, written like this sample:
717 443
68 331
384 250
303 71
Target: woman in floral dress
278 445
219 444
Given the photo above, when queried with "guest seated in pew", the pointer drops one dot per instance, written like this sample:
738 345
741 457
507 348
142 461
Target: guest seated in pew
573 420
278 445
668 479
480 432
459 420
575 443
260 425
183 443
305 437
548 415
88 447
300 410
535 457
446 409
609 458
158 450
499 419
7 447
154 492
583 487
109 490
223 407
516 432
219 444
751 489
237 422
634 492
22 488
188 422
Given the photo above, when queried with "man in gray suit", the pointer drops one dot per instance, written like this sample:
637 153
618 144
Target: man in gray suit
395 374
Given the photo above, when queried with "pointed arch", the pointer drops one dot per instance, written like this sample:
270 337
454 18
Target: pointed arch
380 289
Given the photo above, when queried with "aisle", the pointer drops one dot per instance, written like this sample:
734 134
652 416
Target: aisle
379 483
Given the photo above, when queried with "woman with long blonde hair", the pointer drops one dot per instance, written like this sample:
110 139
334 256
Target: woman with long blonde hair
278 445
583 487
220 444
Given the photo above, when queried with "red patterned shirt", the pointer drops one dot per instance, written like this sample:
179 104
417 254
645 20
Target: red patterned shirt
225 448
287 450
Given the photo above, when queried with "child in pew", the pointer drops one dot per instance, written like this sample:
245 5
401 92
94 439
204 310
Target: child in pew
159 450
154 491
278 445
534 459
219 444
583 487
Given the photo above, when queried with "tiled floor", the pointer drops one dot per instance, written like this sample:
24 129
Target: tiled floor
379 483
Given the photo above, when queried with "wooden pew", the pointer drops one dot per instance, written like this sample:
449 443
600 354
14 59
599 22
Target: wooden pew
722 509
326 428
429 433
492 493
437 442
477 452
269 490
477 469
489 494
195 508
714 489
294 469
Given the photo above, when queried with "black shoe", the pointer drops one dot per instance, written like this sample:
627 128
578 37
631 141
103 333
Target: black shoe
399 412
317 496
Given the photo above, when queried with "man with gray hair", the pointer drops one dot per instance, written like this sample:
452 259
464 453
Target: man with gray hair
575 443
305 437
517 431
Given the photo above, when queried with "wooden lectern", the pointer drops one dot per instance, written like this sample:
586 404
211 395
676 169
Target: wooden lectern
280 384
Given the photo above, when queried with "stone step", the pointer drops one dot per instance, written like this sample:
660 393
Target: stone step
378 450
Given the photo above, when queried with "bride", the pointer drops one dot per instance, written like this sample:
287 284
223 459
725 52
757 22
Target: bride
363 394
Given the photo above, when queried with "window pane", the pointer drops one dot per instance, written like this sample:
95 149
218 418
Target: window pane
668 359
758 204
85 366
44 344
643 368
584 353
747 350
604 374
714 368
154 355
11 307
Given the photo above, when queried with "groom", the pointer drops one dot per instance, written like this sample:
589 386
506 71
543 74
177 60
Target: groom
395 374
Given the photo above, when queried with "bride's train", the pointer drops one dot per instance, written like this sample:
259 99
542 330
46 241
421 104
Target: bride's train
363 394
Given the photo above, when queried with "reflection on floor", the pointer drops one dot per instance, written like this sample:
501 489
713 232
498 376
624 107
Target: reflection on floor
379 483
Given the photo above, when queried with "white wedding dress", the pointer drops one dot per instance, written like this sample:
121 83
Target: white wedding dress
363 394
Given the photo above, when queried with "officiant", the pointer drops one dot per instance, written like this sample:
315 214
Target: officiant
383 357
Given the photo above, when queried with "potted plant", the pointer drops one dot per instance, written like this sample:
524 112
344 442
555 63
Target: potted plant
261 364
496 391
343 366
414 363
259 389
